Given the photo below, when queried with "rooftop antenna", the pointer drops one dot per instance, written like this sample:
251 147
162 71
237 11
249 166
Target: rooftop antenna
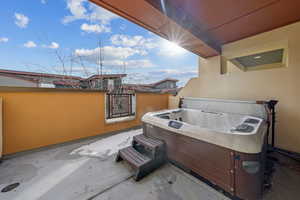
100 63
124 67
100 58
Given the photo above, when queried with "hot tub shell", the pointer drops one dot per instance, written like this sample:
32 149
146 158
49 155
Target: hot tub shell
230 159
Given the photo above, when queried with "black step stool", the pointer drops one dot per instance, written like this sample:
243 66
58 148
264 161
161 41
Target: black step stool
145 155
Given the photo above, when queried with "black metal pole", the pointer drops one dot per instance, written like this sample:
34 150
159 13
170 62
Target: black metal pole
268 132
273 126
180 103
271 106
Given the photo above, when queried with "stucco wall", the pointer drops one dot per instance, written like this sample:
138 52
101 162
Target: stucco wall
282 84
41 117
1 127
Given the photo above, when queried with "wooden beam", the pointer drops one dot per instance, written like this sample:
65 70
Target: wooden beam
161 25
186 21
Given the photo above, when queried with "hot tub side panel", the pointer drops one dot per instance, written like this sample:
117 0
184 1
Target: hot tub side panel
209 161
249 183
221 166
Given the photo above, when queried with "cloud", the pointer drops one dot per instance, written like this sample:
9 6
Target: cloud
157 75
168 48
43 1
123 27
83 71
30 44
129 64
175 72
77 10
109 52
142 63
94 28
137 42
164 47
114 57
133 41
100 14
21 20
182 75
53 45
82 10
3 39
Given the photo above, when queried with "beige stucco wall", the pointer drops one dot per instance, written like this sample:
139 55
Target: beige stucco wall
282 84
1 128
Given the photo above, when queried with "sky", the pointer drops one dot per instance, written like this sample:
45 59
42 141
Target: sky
68 37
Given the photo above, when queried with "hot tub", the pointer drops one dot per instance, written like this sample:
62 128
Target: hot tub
223 141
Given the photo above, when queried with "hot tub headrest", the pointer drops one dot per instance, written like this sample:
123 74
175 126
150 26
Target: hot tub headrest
252 108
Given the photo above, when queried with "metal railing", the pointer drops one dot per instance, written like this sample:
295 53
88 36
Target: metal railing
119 105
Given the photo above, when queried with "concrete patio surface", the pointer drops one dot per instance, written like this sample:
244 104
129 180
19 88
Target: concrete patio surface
62 173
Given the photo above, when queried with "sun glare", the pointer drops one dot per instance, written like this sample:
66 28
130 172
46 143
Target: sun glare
172 48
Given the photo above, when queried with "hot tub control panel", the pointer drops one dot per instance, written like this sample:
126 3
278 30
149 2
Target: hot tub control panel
175 124
248 125
251 121
244 128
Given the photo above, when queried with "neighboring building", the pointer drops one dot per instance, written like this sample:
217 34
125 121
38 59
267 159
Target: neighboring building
167 85
33 79
12 81
66 84
105 81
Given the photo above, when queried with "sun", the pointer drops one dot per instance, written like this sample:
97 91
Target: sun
172 48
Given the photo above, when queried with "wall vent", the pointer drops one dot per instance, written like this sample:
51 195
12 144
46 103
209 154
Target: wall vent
259 60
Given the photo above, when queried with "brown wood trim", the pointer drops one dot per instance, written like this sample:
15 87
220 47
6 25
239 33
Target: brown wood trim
232 173
245 14
187 22
119 12
128 17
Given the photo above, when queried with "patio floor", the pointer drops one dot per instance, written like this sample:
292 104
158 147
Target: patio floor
86 170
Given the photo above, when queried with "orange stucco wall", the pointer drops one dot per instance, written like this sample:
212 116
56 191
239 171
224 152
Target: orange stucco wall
37 118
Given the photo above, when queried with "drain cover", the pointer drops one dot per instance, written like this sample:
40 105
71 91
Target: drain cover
10 187
170 182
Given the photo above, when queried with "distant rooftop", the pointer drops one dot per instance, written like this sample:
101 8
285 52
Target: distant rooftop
151 84
37 74
164 80
48 75
75 81
96 76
